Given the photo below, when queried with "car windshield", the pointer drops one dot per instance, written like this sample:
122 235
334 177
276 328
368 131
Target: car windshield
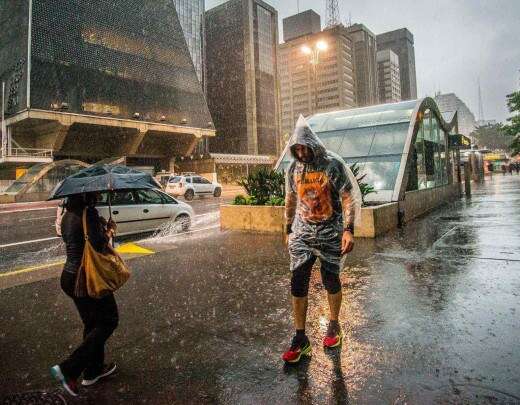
176 179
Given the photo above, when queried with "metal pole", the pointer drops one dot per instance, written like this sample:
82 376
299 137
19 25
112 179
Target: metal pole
4 132
29 46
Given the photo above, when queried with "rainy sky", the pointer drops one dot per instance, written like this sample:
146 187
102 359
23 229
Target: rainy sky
455 42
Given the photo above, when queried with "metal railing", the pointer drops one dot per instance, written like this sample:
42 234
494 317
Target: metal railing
30 152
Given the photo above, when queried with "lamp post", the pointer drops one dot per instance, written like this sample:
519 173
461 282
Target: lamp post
314 53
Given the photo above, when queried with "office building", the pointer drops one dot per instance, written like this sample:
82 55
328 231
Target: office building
401 42
449 104
298 25
305 91
242 78
92 80
389 83
191 17
365 65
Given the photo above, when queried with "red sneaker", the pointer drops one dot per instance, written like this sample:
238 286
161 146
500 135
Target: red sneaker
299 348
334 337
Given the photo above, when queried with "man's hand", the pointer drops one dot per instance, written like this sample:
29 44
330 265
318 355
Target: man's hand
347 242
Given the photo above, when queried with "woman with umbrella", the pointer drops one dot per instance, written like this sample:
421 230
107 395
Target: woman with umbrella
99 315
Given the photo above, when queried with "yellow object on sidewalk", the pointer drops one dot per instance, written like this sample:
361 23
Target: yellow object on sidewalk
134 249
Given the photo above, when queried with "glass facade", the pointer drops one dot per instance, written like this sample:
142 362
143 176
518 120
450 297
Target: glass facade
191 17
265 66
14 19
429 167
117 57
376 137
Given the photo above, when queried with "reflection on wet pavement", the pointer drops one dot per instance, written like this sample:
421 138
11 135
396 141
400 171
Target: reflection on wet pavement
430 316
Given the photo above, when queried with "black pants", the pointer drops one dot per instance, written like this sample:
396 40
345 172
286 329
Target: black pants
100 318
302 274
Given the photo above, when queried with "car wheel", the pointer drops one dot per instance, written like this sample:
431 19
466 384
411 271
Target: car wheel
184 222
189 194
217 192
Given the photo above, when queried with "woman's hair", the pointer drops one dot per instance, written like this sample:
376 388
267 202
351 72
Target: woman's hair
75 202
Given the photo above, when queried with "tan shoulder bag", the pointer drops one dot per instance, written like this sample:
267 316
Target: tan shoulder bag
99 273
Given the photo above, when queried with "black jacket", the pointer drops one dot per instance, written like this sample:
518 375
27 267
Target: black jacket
72 234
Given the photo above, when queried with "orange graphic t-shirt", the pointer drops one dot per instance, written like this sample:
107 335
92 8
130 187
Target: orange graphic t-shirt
314 194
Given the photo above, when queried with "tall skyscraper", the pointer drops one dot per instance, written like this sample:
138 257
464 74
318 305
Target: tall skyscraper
242 78
191 17
449 104
401 42
331 88
389 82
305 23
365 65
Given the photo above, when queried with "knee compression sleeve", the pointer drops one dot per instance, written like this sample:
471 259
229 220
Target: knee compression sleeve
300 281
331 282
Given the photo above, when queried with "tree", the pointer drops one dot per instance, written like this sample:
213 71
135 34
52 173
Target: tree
492 137
512 128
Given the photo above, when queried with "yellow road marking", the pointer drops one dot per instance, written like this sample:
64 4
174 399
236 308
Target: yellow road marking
134 249
33 268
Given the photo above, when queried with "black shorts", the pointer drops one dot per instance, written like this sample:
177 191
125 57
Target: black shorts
301 276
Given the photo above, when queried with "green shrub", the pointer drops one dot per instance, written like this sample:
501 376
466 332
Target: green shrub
262 185
364 187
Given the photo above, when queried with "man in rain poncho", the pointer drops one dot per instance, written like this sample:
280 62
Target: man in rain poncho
319 209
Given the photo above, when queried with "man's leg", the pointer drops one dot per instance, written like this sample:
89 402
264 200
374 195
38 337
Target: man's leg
299 289
332 283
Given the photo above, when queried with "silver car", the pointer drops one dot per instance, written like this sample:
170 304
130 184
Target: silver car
140 211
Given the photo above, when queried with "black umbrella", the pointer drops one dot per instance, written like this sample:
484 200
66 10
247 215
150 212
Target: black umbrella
98 178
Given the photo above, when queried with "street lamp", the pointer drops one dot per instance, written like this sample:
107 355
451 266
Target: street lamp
314 53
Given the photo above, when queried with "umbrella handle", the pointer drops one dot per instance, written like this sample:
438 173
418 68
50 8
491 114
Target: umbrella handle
110 216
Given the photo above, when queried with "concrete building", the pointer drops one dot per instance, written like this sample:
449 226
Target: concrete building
449 103
92 80
242 78
401 43
298 25
389 83
332 87
191 17
365 65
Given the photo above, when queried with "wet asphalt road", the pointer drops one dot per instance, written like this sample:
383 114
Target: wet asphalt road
430 314
28 238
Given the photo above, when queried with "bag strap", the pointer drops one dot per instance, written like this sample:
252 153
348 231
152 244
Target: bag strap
85 230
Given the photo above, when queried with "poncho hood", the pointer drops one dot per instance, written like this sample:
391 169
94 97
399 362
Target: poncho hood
304 135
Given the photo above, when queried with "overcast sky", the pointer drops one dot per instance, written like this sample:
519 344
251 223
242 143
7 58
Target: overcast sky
455 42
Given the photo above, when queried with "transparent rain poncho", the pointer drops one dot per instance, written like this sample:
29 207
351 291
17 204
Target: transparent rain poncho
322 199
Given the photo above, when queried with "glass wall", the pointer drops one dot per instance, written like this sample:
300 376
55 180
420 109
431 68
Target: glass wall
191 17
429 164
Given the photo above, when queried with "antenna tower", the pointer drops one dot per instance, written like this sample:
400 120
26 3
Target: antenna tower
480 104
332 13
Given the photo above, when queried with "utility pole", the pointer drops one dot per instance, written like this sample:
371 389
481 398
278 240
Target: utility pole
332 13
4 129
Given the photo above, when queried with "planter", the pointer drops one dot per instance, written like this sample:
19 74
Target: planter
258 218
375 221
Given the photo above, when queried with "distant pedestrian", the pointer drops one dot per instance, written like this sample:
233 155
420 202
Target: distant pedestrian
320 224
517 168
510 168
504 169
100 316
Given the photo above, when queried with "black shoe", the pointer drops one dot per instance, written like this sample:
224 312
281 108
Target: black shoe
108 369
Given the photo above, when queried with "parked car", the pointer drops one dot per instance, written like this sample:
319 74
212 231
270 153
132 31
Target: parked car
190 185
140 211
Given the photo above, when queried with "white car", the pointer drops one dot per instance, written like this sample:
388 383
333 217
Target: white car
140 211
190 185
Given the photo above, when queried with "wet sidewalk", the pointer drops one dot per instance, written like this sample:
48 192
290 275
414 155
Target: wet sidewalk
431 315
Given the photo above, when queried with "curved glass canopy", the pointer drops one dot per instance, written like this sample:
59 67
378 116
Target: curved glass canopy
382 139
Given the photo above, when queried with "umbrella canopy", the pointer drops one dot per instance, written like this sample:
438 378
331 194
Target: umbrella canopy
103 178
